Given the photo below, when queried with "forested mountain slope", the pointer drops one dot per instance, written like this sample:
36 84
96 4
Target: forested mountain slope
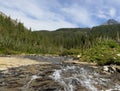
16 39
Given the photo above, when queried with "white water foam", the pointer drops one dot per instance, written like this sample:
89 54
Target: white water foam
116 88
32 78
56 74
83 77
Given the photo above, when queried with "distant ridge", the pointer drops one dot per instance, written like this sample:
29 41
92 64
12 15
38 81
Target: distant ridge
111 22
4 15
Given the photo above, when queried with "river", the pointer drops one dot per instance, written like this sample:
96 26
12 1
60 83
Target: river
58 76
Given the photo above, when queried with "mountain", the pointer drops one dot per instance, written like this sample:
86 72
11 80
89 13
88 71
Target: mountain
15 38
4 15
111 22
91 43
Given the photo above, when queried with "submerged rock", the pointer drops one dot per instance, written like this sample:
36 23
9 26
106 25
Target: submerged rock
60 77
29 78
111 69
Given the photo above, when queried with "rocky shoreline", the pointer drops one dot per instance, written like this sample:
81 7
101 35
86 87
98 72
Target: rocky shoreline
37 77
17 79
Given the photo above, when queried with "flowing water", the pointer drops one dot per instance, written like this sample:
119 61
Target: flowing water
59 75
27 85
32 78
82 78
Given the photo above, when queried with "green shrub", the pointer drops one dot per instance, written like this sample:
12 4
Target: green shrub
103 54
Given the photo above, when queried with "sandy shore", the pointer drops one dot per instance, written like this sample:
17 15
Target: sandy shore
9 62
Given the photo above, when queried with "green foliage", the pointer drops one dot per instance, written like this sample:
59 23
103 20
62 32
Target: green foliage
70 52
104 54
99 44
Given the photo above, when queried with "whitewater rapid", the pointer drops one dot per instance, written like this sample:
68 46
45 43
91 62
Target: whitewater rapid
76 78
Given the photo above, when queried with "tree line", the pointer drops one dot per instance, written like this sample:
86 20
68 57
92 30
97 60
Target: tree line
16 39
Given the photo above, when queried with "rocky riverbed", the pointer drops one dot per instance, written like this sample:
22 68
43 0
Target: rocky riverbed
58 75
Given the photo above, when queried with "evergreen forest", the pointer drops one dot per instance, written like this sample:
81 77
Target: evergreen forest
99 44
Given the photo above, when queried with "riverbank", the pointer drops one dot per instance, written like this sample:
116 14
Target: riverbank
16 61
54 73
11 61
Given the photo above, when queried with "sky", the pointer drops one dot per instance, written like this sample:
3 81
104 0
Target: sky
54 14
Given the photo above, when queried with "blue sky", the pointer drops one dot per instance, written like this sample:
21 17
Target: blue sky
54 14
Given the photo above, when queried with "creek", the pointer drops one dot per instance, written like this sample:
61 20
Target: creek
58 76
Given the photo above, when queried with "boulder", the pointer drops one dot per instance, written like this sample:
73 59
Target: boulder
111 69
105 68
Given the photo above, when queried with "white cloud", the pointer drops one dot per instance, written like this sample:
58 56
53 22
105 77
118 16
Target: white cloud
102 14
80 15
112 12
107 13
45 19
53 14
